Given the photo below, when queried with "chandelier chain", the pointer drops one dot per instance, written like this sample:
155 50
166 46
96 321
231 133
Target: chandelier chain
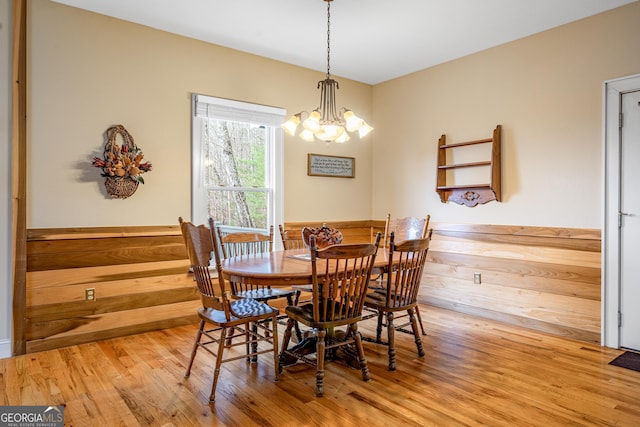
328 38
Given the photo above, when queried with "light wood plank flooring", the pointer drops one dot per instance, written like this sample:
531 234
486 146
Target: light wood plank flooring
475 372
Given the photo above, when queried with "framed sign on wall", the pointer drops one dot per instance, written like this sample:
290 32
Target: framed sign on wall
334 166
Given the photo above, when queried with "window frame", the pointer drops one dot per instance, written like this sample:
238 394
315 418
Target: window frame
226 109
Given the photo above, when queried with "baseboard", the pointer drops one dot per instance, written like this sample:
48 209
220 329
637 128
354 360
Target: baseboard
5 349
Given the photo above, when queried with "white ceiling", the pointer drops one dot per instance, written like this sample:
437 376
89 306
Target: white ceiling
371 40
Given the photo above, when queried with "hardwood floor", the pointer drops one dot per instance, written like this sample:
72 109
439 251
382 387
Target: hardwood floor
475 372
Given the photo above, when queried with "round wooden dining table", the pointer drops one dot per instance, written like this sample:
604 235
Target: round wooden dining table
278 268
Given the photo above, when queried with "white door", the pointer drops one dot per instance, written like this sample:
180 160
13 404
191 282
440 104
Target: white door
630 221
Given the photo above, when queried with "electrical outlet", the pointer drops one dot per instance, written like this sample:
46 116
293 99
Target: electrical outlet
477 278
90 294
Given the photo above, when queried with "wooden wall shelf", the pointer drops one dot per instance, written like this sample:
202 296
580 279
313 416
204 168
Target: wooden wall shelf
474 194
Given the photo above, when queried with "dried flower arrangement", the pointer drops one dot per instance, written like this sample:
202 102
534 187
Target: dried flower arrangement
122 166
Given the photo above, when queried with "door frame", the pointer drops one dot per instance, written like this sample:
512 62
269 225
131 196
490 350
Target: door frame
612 90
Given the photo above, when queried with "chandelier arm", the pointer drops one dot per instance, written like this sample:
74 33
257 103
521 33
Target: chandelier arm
331 99
323 100
332 104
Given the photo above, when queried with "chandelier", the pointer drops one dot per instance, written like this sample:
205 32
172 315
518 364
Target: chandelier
326 122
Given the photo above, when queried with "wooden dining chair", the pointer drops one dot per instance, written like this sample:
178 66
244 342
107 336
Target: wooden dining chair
251 243
340 277
220 316
406 229
404 273
291 239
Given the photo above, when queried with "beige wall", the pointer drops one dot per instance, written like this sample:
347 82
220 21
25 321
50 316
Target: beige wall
545 91
88 71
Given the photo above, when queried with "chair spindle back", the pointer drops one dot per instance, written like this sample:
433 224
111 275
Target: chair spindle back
200 243
341 276
406 264
245 243
291 239
406 228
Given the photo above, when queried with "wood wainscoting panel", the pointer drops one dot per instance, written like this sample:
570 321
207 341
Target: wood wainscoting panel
60 254
108 280
543 278
139 275
85 329
352 231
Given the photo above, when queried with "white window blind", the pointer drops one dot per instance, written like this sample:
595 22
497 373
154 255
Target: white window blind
226 109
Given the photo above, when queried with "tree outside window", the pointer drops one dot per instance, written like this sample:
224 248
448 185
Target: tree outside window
234 155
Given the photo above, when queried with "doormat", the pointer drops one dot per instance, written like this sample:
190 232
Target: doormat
628 359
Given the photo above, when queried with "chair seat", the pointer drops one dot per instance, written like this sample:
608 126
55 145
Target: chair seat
304 314
244 308
264 294
376 298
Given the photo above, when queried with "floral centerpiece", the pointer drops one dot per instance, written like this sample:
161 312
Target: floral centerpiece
324 236
122 165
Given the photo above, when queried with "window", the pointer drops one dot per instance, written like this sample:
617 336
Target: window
237 160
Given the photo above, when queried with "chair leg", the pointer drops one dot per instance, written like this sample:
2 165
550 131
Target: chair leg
216 372
420 320
366 376
416 335
276 356
231 332
294 301
285 343
247 340
286 337
322 333
391 340
254 342
195 348
379 327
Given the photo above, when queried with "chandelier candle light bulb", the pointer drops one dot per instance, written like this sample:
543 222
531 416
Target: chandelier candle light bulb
325 122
